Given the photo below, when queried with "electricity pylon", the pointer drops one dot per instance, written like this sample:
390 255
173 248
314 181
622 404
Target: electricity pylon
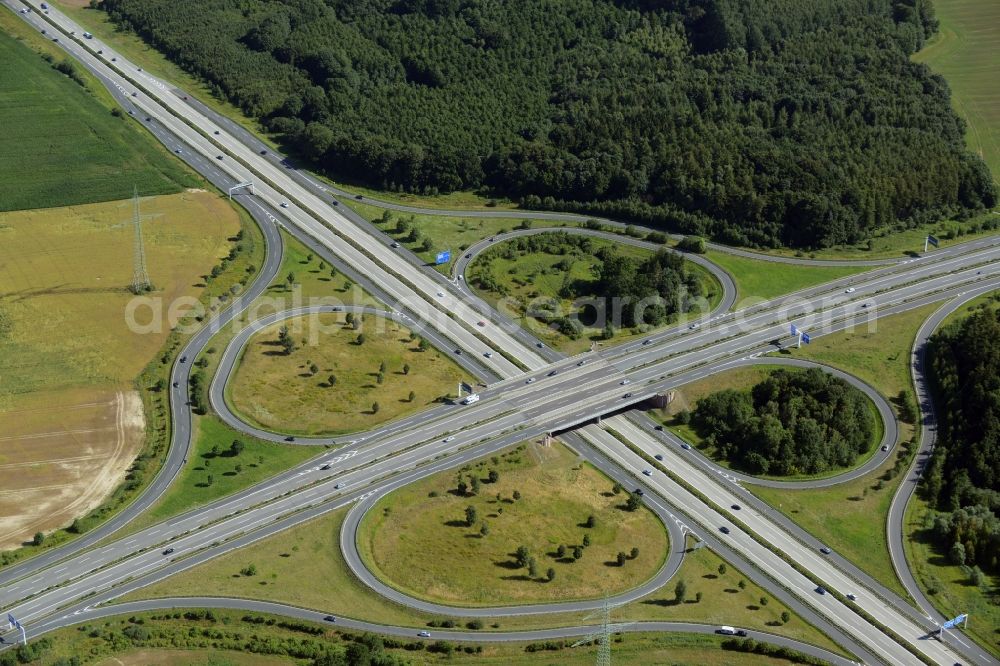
603 636
140 278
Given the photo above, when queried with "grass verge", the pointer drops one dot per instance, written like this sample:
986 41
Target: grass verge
758 279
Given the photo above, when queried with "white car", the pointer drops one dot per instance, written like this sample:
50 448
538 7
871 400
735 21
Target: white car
440 294
849 290
488 354
450 438
284 204
424 634
623 382
531 380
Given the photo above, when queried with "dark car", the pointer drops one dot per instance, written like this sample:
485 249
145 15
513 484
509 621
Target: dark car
658 427
329 618
184 359
552 373
626 396
175 384
640 492
659 456
736 507
168 551
724 529
263 152
820 590
289 439
358 197
216 132
219 157
458 351
825 550
741 632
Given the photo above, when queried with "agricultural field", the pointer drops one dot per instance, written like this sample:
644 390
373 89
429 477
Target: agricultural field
964 51
338 378
66 404
419 539
68 148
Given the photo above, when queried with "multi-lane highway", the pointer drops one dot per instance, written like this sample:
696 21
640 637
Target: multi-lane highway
49 590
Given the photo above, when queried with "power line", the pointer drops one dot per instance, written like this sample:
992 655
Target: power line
140 277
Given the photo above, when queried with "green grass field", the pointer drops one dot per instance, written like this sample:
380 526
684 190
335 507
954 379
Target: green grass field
457 201
282 393
416 538
61 146
312 278
757 279
258 460
964 51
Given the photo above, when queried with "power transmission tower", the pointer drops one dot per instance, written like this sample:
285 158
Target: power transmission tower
603 636
140 278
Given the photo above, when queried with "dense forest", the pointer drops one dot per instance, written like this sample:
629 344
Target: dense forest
755 122
963 479
790 423
623 292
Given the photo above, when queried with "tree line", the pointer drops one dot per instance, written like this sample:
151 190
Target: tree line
792 422
757 123
962 481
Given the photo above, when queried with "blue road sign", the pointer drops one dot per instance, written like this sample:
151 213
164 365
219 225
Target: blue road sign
444 257
795 331
805 338
933 241
951 623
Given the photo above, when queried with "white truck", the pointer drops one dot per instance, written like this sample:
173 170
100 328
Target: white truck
470 399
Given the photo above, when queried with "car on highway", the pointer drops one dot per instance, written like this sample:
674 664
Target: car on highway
334 203
148 119
219 157
329 618
686 446
449 438
114 59
289 439
177 150
692 327
73 33
531 380
440 294
338 486
626 396
168 551
175 384
623 382
735 507
284 204
326 466
552 373
458 352
825 550
647 472
482 322
647 341
659 456
394 244
852 596
579 363
820 590
216 132
849 290
184 359
885 447
639 491
358 197
135 94
424 634
468 256
724 529
263 152
537 344
488 354
658 427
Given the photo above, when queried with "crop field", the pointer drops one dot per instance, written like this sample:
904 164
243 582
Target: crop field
965 53
61 146
284 393
70 421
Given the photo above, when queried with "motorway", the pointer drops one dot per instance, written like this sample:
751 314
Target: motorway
510 410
